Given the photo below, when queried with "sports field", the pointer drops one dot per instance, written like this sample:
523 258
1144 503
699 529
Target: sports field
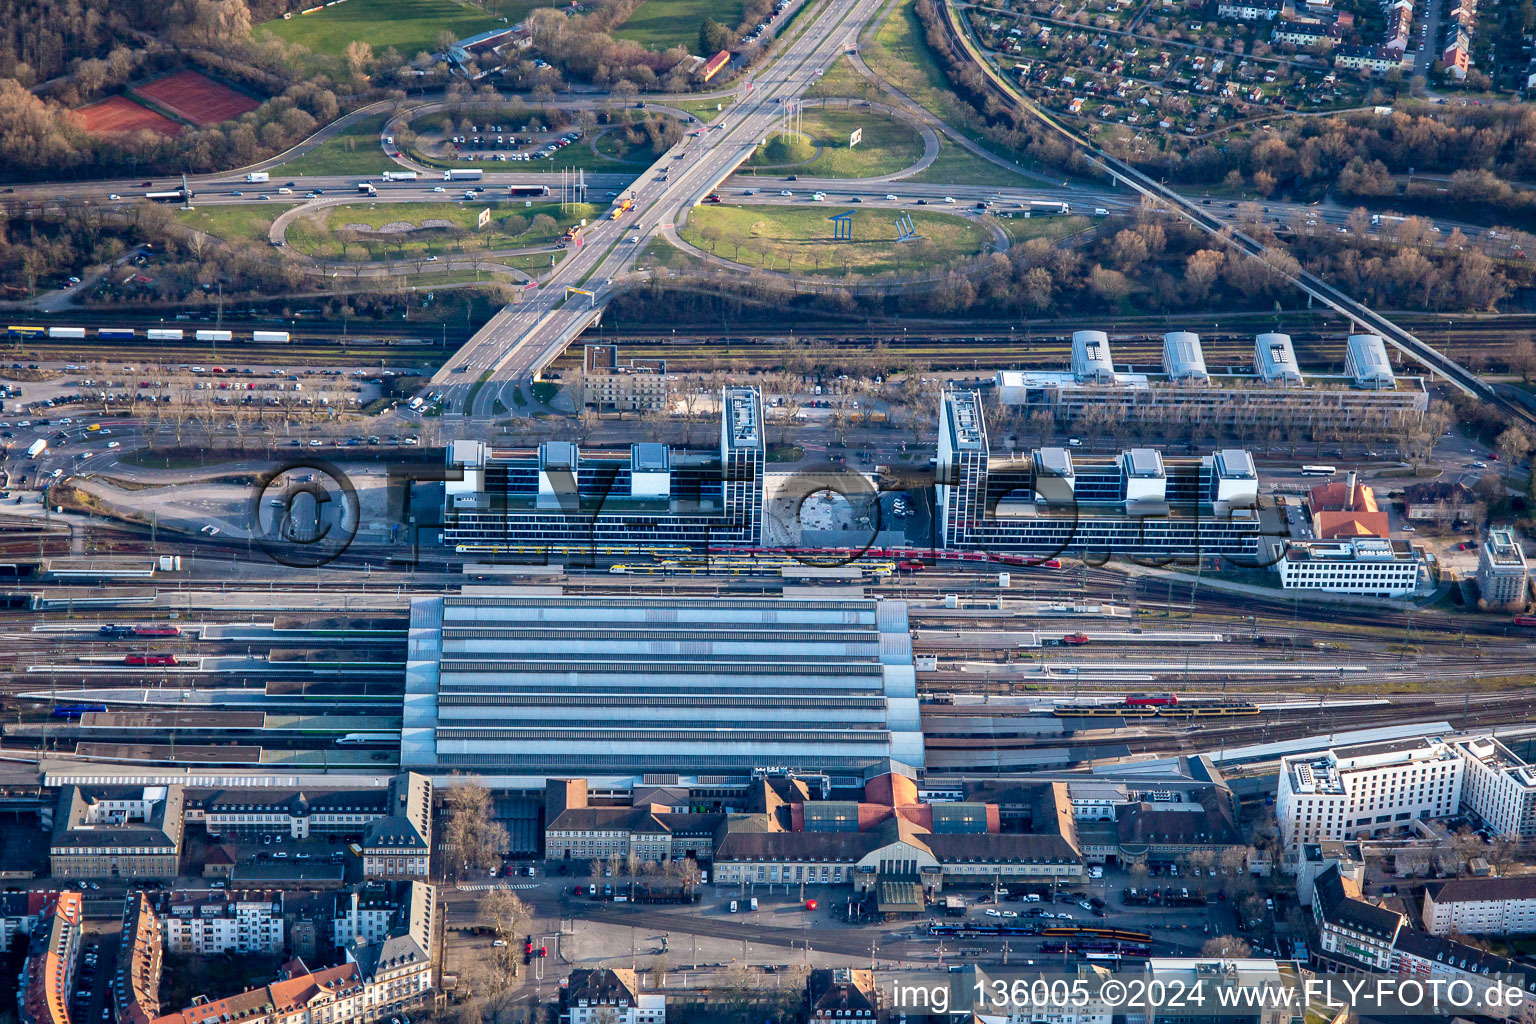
121 114
799 238
659 24
410 26
196 97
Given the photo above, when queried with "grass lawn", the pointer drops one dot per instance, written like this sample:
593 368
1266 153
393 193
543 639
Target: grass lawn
956 166
510 228
354 151
799 238
898 52
659 24
841 80
888 145
410 26
705 110
659 252
1022 229
244 223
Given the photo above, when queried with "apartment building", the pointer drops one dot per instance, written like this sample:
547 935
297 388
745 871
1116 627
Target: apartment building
842 993
1481 906
1372 567
220 921
1351 930
1503 576
53 952
609 996
1375 59
19 914
1366 790
609 385
1249 10
1499 786
399 844
140 952
117 832
378 911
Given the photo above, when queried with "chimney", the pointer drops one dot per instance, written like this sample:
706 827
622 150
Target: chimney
1349 492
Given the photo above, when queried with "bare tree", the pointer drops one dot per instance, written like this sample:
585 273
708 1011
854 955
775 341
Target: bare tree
472 837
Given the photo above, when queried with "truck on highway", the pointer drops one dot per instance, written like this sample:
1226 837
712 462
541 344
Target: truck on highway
257 177
1378 219
37 448
1041 208
459 174
366 188
399 175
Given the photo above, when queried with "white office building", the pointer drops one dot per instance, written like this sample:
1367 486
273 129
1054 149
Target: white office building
1502 574
1498 786
1482 906
1369 566
1366 790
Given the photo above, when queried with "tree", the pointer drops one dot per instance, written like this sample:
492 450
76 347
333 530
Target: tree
1514 445
472 837
1522 359
1225 946
713 37
507 912
359 55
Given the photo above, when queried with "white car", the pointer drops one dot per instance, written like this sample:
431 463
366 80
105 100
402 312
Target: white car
114 444
114 197
431 259
439 189
786 192
891 196
949 199
1010 913
994 913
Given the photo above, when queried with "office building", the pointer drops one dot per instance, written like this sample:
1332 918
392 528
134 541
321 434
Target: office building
1211 975
53 953
607 995
1367 398
1498 786
399 844
209 922
117 832
1481 906
140 953
558 499
608 385
538 684
1371 567
1503 576
1050 502
1366 790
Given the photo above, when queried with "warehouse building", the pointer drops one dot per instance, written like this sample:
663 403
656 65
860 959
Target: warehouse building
1049 501
557 498
536 684
1368 396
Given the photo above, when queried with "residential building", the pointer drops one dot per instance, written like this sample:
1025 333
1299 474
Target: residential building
1366 566
140 951
1302 34
1049 502
559 500
1481 906
212 921
842 993
1249 10
1375 59
975 995
53 952
1364 790
607 385
609 996
1186 392
1457 56
1498 786
1353 933
19 914
540 685
1503 577
1435 959
117 832
376 911
1443 503
1342 511
399 844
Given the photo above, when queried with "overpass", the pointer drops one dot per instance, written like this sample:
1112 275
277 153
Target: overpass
523 338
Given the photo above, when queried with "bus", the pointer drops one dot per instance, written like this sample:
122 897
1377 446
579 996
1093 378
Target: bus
1318 471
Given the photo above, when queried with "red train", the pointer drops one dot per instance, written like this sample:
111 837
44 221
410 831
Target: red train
1151 700
157 631
150 659
1525 620
1075 639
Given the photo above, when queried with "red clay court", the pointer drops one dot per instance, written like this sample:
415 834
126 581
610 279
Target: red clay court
196 97
120 114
